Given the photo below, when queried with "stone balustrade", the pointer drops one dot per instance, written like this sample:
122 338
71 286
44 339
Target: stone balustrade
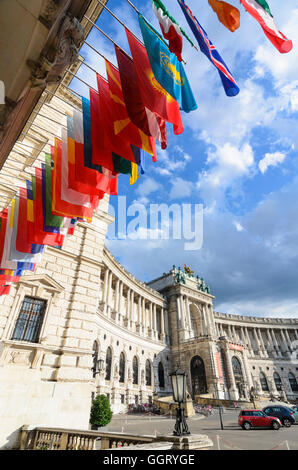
69 439
40 438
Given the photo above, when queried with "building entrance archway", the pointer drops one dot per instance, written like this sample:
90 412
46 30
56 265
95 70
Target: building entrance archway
198 376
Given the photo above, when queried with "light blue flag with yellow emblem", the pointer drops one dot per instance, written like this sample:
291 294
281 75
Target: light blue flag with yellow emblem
167 69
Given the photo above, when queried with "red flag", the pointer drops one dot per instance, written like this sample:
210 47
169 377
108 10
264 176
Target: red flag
107 138
35 233
154 96
106 183
142 117
4 290
61 206
123 125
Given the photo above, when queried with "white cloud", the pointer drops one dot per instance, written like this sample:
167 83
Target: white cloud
147 186
238 226
180 188
271 159
228 164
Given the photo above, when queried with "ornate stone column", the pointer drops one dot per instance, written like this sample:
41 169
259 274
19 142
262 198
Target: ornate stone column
275 342
231 379
155 322
162 324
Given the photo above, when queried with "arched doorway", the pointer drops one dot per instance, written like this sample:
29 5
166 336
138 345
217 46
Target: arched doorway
198 376
238 376
161 375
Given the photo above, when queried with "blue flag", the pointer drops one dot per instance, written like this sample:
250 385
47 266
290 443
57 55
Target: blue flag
167 69
210 51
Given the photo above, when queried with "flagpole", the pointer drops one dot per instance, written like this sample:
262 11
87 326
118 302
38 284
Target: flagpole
116 18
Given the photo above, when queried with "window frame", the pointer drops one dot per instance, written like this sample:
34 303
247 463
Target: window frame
28 315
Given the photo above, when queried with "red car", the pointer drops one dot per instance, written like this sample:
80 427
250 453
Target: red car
257 419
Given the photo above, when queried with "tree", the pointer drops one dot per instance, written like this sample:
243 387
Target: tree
101 413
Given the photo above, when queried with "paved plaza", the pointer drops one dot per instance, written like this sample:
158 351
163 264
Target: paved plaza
231 438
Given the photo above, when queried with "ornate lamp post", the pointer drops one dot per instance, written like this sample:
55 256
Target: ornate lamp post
178 379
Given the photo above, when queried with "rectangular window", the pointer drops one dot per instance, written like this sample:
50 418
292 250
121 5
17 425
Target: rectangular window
122 399
30 319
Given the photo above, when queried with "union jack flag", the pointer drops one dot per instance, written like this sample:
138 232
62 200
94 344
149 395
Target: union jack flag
210 51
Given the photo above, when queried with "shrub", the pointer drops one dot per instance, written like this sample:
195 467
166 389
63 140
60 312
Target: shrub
101 413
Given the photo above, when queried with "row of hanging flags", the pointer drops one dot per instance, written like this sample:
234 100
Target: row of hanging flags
116 126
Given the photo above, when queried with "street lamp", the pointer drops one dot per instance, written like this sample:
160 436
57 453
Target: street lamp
98 367
178 379
219 405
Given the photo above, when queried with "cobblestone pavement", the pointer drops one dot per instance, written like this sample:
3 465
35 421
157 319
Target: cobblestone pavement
231 438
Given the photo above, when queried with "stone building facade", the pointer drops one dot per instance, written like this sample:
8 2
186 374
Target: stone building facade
82 325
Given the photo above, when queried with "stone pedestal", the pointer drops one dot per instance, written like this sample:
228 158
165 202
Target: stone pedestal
191 442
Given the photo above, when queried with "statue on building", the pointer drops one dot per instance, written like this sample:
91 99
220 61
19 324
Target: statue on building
187 270
180 277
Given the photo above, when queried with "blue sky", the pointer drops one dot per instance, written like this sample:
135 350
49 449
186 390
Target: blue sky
237 157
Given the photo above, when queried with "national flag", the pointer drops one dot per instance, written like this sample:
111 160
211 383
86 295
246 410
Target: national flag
68 194
167 69
134 173
16 255
51 222
85 171
73 182
154 96
227 14
6 233
4 290
108 134
9 276
169 27
146 120
21 242
260 10
123 126
36 232
206 46
66 202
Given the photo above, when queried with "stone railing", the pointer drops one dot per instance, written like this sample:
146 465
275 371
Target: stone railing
69 439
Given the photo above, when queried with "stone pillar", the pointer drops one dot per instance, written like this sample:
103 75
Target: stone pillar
162 324
263 349
132 304
182 312
109 291
151 319
288 340
275 342
188 316
248 341
285 346
116 303
231 379
120 301
105 289
155 322
144 318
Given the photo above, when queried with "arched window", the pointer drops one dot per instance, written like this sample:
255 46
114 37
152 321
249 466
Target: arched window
135 370
121 367
264 383
161 375
198 376
293 382
148 373
108 364
95 358
277 381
